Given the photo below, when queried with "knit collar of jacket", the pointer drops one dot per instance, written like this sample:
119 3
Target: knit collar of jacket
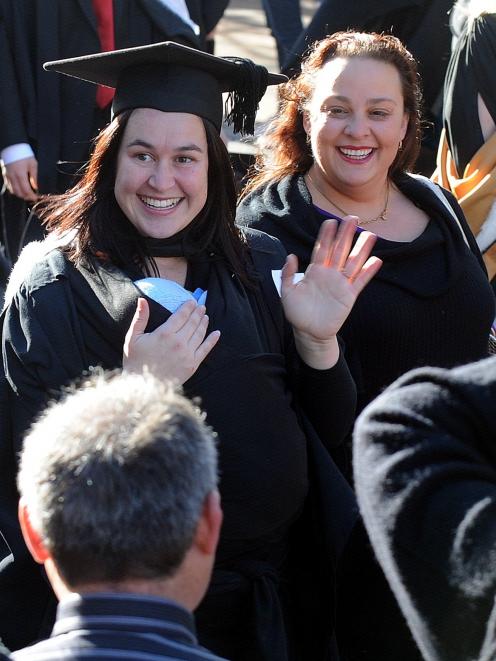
285 210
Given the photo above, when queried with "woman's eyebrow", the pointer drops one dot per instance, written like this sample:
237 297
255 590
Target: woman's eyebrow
147 145
140 143
336 97
340 97
382 99
190 147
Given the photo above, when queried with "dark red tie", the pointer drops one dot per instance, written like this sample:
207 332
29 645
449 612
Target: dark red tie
104 12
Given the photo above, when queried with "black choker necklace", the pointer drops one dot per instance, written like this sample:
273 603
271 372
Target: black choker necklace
182 244
170 247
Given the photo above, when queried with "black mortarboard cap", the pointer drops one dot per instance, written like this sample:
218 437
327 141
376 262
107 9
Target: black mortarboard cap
176 78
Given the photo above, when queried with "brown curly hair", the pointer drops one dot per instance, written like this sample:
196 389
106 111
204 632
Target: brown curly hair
285 149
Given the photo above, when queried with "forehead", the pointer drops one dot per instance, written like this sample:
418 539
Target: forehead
358 76
156 126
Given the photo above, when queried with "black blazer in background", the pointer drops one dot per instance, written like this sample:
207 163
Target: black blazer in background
56 114
422 25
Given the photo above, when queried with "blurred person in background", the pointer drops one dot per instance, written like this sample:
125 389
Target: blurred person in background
466 161
284 21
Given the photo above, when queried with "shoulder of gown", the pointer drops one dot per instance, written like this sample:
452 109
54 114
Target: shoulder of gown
39 263
425 474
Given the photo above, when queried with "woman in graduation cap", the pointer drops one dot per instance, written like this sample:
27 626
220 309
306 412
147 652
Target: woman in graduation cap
140 251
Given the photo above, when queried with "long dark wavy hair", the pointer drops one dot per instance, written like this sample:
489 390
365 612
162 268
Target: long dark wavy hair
90 213
285 149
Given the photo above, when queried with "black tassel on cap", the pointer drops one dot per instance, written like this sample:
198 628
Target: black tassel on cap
242 102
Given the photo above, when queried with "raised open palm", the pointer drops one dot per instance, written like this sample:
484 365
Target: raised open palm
318 304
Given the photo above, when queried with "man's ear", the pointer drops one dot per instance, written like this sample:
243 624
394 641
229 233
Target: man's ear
31 537
208 529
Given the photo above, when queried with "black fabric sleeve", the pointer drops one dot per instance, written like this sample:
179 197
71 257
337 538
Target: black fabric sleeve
328 398
41 352
212 11
425 474
42 349
12 127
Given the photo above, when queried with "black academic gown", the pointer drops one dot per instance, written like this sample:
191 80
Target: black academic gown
266 408
425 471
471 72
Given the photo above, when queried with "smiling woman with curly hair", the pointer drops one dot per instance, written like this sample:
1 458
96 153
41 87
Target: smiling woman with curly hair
346 137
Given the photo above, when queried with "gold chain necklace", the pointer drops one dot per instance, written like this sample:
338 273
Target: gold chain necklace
381 216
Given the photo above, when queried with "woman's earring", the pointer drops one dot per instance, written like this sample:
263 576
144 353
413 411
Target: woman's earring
400 146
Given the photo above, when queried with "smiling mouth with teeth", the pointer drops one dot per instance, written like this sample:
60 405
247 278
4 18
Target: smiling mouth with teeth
357 154
154 203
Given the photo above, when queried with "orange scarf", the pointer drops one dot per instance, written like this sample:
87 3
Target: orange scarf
475 191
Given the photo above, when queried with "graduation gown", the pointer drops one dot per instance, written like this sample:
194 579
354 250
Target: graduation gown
266 407
465 160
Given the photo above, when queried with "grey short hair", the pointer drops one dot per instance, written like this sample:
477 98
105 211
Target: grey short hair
115 476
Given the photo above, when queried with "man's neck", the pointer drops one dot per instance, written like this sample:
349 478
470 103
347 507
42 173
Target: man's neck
177 588
161 588
186 586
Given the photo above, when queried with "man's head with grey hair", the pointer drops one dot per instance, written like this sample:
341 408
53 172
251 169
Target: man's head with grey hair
114 480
